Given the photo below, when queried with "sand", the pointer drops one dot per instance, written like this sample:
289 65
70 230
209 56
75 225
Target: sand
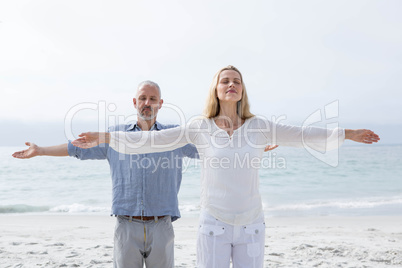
87 241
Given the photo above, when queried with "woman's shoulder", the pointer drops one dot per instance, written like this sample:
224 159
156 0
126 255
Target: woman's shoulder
199 121
258 120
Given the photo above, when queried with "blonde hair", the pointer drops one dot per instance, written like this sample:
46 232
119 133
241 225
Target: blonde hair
212 107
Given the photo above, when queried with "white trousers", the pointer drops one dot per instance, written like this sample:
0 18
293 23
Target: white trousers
143 242
219 242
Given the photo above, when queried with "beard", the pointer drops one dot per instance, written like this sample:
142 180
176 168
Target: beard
147 115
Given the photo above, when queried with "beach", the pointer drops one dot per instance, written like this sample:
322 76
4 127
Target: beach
28 240
54 212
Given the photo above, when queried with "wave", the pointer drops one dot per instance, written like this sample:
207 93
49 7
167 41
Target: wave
73 208
21 208
78 208
338 204
190 209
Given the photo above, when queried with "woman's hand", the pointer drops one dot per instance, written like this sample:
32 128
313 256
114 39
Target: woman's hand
361 135
270 147
91 139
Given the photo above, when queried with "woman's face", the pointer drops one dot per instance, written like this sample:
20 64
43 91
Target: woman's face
229 88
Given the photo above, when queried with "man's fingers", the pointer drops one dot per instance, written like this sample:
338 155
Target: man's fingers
19 154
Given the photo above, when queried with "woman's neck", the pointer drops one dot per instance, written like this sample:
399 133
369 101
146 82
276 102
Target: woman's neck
228 118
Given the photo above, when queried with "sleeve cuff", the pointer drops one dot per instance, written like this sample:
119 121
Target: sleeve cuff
72 150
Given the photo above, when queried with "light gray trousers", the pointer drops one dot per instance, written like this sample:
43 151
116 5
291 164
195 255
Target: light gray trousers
143 242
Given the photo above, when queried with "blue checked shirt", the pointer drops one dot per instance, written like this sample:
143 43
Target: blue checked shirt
145 184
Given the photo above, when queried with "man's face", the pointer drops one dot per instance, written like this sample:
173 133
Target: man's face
147 102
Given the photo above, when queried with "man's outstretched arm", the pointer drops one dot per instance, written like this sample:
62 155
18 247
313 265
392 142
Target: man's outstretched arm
35 150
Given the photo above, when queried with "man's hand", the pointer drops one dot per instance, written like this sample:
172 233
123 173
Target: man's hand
270 147
35 150
361 135
91 139
32 151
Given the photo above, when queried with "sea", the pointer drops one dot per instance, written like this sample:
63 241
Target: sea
360 180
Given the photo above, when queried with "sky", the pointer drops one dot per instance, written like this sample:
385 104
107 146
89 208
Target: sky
72 66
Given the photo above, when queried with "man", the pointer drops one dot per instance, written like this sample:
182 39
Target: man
145 187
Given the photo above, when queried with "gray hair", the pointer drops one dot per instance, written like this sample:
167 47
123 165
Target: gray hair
150 83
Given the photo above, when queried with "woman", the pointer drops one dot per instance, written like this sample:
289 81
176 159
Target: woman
230 141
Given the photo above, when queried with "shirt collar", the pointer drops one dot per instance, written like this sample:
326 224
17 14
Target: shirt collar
156 126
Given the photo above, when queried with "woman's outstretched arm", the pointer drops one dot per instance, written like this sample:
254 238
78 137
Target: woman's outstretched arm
316 138
139 142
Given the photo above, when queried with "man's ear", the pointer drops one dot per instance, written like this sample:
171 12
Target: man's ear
160 103
135 102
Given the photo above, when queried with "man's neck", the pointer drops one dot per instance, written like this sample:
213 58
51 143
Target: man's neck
145 125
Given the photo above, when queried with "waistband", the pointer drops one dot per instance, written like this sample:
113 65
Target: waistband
142 218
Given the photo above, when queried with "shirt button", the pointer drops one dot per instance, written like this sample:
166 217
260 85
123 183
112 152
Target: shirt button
211 233
256 231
